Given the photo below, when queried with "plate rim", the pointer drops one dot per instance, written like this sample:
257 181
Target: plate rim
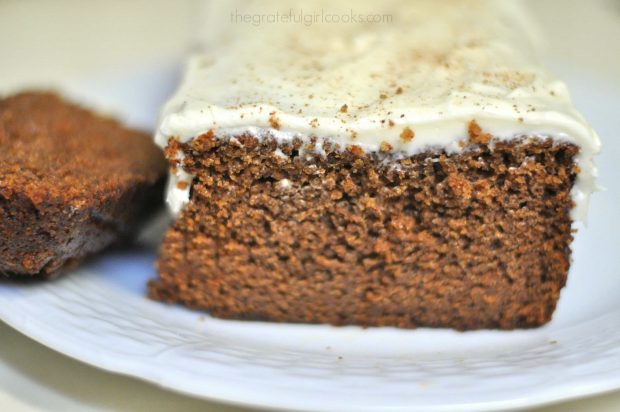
123 364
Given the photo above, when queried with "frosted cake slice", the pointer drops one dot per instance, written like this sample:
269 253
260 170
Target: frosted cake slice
419 170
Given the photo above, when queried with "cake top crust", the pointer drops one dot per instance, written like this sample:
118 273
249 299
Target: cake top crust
52 150
405 74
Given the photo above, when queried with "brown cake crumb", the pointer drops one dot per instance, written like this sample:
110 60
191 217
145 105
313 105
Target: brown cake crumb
71 183
478 239
476 135
407 134
355 150
273 121
344 108
385 147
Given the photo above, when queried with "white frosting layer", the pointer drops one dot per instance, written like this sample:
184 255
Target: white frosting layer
428 66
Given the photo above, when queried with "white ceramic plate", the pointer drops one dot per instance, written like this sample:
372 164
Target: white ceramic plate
99 314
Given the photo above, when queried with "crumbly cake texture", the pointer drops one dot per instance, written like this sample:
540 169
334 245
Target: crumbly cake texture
277 232
71 183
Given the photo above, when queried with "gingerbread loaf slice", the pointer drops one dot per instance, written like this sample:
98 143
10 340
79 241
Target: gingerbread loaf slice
71 183
426 171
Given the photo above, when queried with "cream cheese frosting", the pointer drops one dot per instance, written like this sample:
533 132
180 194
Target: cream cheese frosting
409 73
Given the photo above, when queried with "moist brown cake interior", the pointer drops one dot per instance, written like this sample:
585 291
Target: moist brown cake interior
479 239
71 183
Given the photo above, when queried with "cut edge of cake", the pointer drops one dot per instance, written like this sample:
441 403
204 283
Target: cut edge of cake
369 91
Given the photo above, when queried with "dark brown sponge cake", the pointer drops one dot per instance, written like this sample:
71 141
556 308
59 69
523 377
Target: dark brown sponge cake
71 183
479 239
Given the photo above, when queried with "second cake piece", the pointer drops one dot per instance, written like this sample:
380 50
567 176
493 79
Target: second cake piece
71 183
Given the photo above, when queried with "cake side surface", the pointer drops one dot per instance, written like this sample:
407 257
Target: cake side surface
71 183
478 239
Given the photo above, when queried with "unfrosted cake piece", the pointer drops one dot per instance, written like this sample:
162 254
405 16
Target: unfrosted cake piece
71 183
419 169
